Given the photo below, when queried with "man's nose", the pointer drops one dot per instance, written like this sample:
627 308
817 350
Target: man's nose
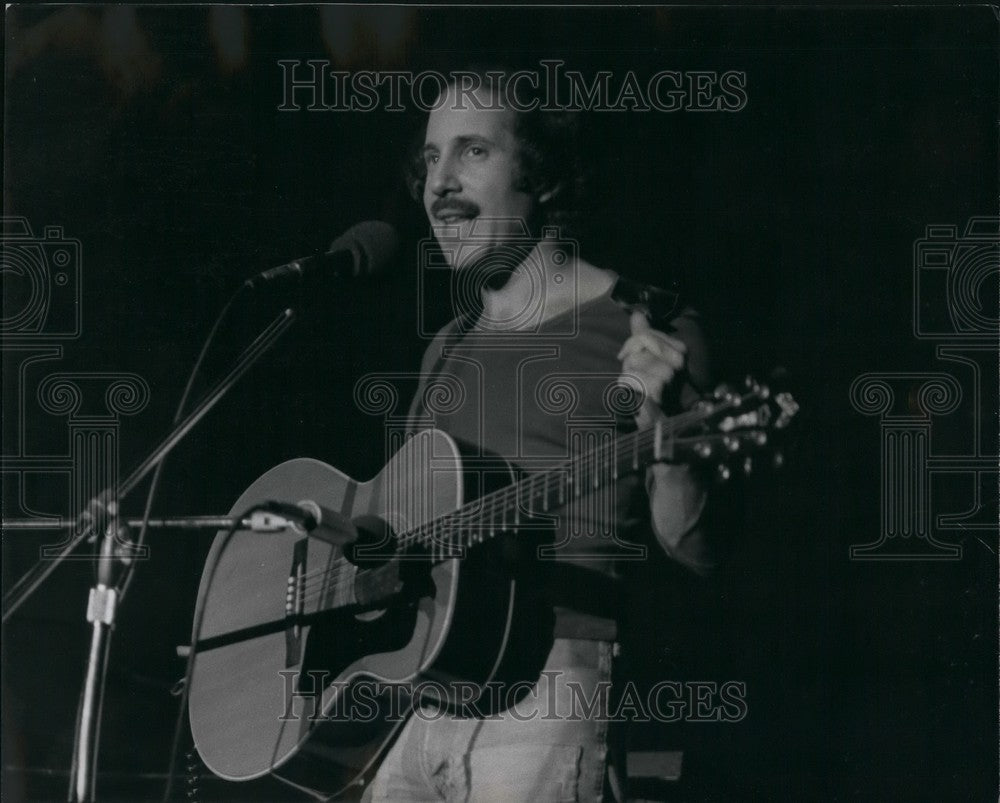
443 178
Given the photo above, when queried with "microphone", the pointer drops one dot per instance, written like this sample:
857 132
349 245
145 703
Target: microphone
363 250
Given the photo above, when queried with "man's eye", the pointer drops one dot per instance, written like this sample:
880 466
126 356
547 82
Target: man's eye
476 151
430 158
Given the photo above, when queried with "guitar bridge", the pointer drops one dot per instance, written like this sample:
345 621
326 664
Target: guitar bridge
295 603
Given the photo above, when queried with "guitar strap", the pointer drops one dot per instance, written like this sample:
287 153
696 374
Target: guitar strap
658 305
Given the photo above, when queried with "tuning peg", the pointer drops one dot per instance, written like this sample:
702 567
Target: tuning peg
778 460
723 473
731 443
760 438
703 449
789 407
755 388
720 392
748 465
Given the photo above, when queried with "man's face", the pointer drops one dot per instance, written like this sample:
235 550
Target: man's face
472 173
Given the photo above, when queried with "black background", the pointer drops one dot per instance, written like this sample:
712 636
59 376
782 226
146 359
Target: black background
790 223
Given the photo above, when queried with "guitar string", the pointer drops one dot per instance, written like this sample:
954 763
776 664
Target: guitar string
326 582
472 514
476 508
500 499
467 514
468 521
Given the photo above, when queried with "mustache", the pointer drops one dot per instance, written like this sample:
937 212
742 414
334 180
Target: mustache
454 206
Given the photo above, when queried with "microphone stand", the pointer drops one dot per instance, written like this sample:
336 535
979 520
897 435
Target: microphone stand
115 562
102 605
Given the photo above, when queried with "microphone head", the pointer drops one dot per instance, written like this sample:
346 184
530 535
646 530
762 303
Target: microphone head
372 245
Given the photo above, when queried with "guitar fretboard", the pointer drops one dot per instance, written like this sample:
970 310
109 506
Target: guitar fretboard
713 430
538 494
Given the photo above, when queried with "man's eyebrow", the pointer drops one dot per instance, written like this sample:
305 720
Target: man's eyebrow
460 141
468 139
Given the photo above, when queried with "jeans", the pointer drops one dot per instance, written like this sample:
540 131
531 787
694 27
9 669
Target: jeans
549 746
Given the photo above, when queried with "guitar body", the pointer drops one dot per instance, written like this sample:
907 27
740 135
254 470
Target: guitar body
291 626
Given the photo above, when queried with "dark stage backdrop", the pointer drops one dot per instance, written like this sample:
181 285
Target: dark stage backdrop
153 137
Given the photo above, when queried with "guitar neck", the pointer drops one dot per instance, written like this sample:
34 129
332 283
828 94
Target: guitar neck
538 493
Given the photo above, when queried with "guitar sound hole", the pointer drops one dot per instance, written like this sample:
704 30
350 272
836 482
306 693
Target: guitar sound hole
376 543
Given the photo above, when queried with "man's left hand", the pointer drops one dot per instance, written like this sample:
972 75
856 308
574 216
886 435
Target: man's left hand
650 361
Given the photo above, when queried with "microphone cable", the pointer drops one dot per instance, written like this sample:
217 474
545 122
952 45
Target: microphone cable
150 496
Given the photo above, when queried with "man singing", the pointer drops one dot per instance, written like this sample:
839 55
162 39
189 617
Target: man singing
541 341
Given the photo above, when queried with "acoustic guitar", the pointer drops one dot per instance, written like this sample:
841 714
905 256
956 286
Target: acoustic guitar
312 643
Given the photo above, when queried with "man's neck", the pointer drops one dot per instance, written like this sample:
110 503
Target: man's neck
541 287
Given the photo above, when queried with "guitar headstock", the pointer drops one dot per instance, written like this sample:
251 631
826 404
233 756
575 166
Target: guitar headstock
735 427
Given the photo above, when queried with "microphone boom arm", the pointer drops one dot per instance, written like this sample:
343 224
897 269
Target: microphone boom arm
84 523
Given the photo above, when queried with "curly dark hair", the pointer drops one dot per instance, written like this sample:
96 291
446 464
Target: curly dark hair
548 152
